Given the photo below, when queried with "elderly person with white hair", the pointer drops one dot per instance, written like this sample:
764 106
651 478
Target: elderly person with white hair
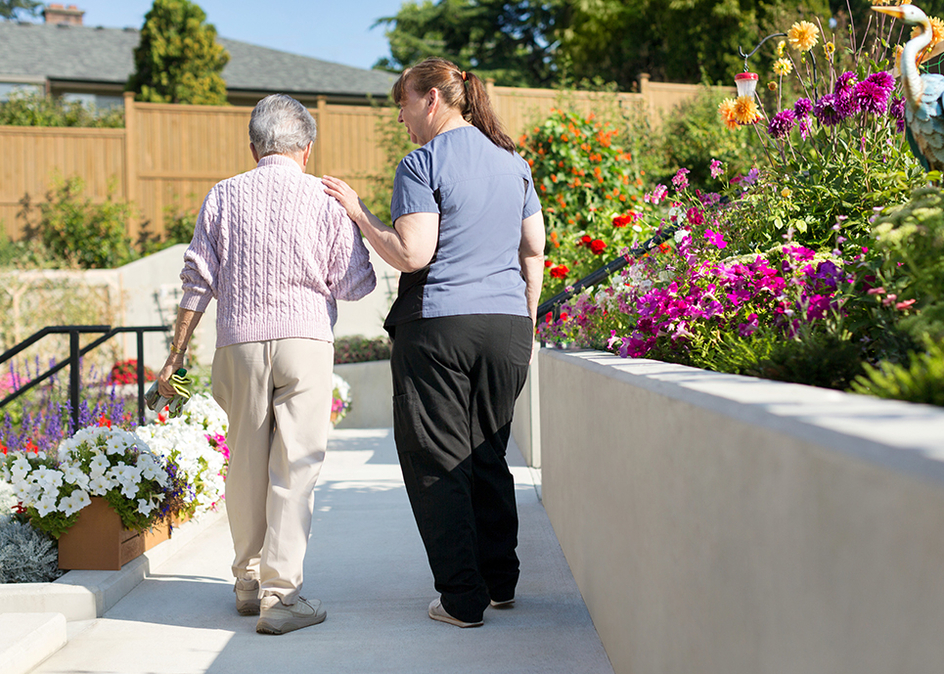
276 252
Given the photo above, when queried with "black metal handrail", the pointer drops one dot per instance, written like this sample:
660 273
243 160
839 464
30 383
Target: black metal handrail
75 354
553 305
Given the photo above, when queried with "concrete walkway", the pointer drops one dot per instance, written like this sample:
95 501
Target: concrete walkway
366 563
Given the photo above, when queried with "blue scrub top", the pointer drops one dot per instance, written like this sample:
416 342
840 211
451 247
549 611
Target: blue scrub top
481 193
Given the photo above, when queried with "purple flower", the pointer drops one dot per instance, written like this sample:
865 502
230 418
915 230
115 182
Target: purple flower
847 106
900 125
845 84
897 108
884 80
747 329
804 127
872 95
679 180
803 106
825 110
781 124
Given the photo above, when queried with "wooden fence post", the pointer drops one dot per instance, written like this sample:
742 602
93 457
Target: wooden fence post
320 168
131 166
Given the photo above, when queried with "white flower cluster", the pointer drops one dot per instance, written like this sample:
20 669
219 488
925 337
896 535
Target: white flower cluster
341 388
92 462
184 441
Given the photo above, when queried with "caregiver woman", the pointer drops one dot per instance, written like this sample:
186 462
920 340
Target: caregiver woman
468 236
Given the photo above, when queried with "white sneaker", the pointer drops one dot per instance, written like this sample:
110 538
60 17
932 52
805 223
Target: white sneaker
437 612
277 618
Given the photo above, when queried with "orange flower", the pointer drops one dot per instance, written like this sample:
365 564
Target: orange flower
726 108
745 110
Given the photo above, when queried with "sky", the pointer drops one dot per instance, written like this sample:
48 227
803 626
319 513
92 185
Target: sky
324 29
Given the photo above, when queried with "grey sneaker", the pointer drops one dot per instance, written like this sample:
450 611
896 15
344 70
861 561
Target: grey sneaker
247 596
437 612
277 618
508 603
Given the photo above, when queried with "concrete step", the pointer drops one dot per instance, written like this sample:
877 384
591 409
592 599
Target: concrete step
26 639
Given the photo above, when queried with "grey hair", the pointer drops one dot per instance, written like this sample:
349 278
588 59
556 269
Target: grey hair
280 125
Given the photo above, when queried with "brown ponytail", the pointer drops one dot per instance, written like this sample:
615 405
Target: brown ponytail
459 89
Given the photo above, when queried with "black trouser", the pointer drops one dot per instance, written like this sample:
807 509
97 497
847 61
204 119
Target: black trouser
455 381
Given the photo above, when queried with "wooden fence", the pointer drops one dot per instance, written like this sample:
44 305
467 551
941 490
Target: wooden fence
168 156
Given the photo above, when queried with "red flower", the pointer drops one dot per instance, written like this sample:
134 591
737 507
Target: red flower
597 246
564 316
584 241
103 421
3 448
30 447
623 220
548 263
560 271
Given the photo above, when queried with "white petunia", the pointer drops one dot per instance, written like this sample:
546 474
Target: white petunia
74 502
100 484
99 465
20 468
45 506
144 506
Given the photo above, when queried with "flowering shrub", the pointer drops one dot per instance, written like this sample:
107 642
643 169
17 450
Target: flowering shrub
340 399
195 443
359 349
591 194
681 302
102 461
836 152
126 372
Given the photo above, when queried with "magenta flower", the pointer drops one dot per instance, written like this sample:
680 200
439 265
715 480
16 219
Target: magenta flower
872 95
781 124
716 239
845 84
802 107
826 110
680 181
747 329
804 127
716 169
695 217
656 195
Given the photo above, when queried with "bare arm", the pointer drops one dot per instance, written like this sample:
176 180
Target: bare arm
407 247
531 256
183 330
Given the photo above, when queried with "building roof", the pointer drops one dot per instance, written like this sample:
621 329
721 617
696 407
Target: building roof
105 55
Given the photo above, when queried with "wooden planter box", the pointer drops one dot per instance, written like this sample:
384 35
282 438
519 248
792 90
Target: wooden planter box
98 541
159 533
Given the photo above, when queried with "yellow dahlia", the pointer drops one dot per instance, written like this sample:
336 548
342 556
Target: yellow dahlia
783 67
803 36
745 110
830 49
780 47
726 108
772 85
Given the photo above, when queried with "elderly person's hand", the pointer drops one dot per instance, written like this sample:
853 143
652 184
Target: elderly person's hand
346 196
173 363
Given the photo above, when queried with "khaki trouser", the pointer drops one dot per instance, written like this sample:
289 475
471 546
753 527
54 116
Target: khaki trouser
277 395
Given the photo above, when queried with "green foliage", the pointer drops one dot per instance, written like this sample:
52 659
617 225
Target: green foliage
395 143
26 554
911 237
31 109
178 59
360 349
78 232
920 381
590 190
14 9
507 41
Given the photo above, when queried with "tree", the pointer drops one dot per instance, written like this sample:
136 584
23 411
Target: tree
512 42
178 59
10 9
677 41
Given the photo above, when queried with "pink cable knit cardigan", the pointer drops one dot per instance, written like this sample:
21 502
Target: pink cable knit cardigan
276 252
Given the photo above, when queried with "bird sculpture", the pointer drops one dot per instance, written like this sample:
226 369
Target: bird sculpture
924 112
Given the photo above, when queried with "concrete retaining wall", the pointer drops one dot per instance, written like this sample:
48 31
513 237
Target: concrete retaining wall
724 524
